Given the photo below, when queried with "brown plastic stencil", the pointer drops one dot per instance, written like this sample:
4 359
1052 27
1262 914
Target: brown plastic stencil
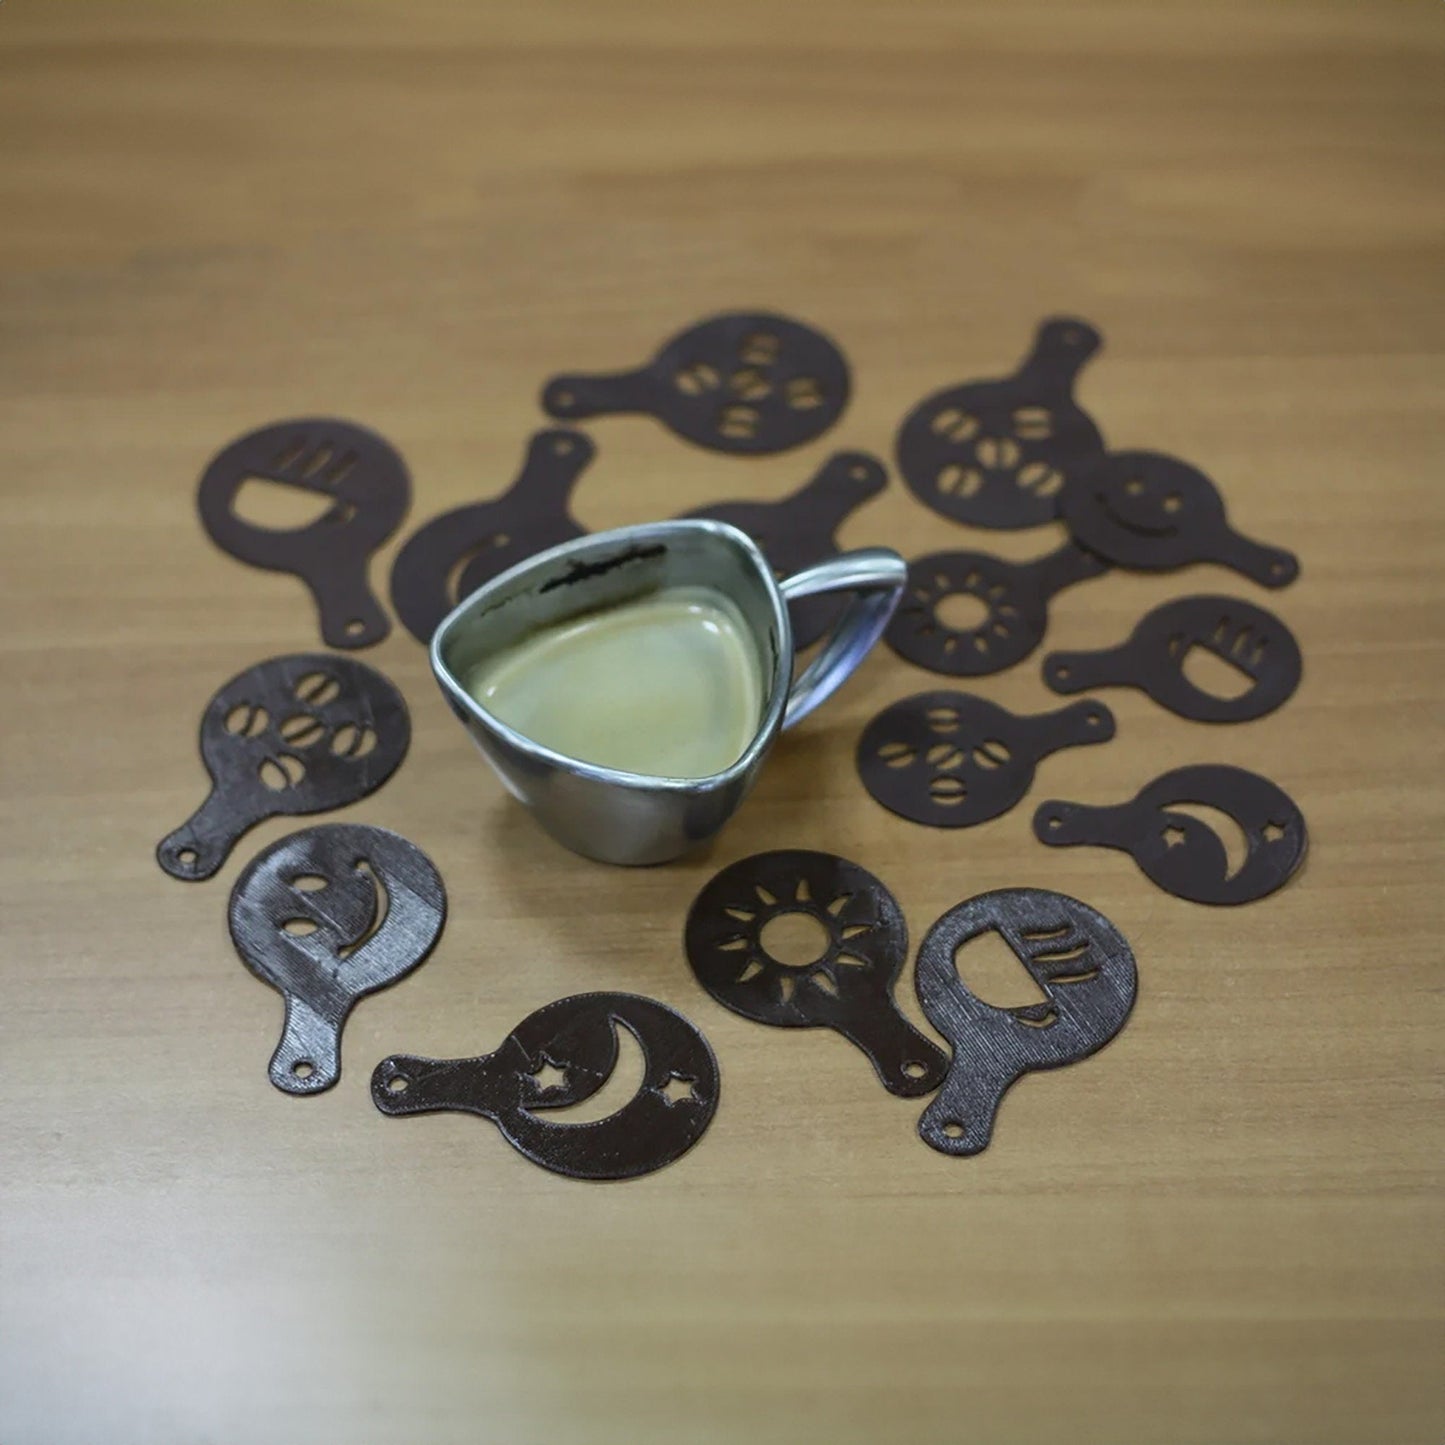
746 382
998 453
327 916
366 482
847 985
1013 597
1255 643
950 760
1154 513
452 555
1076 956
802 528
562 1055
1179 852
298 734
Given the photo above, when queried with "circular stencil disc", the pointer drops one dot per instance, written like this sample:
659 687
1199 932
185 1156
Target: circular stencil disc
560 1056
1080 961
1154 513
299 734
327 916
1183 854
998 453
861 944
1010 600
1254 642
950 760
365 482
745 382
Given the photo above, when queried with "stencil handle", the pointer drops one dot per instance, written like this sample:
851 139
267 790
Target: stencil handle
204 841
1061 824
960 1120
350 615
409 1084
1269 566
308 1058
1061 348
1062 568
844 482
1071 672
574 398
907 1062
1075 726
555 459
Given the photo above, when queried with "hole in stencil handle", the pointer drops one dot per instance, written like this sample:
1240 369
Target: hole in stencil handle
189 859
568 396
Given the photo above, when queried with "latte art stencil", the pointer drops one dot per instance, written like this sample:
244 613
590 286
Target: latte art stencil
846 985
363 481
743 382
1013 597
561 1056
298 734
950 760
1178 851
1251 640
1079 960
999 453
1154 513
327 916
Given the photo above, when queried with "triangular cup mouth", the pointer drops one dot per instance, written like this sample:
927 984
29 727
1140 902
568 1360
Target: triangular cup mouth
607 569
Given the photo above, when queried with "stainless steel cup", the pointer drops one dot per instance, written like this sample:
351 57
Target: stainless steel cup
620 817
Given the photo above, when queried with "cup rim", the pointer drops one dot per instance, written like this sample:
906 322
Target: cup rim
641 533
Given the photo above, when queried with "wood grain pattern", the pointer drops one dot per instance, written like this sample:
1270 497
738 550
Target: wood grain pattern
1226 1227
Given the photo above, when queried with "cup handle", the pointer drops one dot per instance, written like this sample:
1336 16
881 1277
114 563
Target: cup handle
876 577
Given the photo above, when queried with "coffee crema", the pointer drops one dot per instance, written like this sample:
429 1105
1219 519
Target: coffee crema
667 686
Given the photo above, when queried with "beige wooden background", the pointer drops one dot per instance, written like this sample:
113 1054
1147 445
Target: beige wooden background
1225 1228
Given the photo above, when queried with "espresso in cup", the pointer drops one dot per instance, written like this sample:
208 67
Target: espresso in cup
669 686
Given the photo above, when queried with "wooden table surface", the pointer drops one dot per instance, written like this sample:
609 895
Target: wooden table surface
1226 1227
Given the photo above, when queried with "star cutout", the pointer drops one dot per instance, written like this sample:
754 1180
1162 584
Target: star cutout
1272 832
678 1090
549 1076
1174 837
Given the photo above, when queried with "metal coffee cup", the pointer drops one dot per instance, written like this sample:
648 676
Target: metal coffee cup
622 817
